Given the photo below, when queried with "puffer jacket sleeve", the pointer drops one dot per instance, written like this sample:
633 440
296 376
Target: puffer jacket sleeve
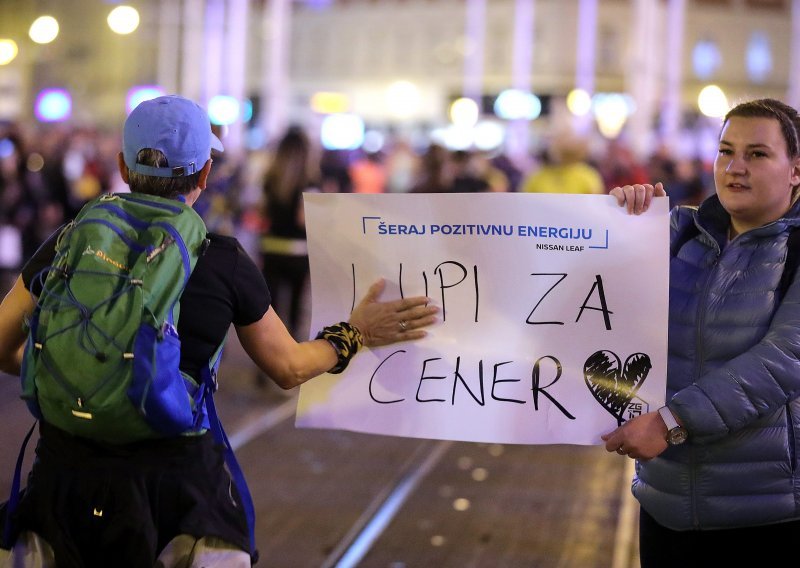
751 385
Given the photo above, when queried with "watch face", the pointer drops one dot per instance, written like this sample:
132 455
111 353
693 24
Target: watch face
677 436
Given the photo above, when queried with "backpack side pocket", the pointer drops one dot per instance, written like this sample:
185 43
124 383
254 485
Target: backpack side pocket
157 387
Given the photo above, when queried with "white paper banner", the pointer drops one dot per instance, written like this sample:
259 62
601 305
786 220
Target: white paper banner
553 322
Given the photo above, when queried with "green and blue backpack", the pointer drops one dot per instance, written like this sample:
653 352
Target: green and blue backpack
102 355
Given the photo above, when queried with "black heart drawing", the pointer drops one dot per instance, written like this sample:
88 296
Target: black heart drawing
612 384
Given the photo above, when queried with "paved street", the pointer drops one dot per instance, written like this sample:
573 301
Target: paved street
334 498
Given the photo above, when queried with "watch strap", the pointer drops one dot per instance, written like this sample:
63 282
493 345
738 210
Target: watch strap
668 418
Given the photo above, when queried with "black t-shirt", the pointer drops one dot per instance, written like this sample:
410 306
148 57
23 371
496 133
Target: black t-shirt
282 216
226 287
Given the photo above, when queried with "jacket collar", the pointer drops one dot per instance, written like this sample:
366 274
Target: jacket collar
712 217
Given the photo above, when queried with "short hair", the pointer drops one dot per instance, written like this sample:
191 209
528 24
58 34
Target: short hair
167 187
786 116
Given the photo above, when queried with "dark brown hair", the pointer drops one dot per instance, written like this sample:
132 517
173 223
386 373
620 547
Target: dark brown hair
770 108
169 187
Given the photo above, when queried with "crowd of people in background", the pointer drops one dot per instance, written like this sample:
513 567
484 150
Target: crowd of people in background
46 174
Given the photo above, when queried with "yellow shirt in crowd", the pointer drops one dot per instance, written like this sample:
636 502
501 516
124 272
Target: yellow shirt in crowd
567 178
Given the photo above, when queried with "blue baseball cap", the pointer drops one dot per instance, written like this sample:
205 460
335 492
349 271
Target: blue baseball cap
176 126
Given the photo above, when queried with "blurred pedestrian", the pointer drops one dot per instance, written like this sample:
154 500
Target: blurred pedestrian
565 169
401 165
368 173
334 172
434 172
284 250
466 177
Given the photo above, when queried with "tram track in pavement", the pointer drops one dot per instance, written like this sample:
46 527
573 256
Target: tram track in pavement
385 505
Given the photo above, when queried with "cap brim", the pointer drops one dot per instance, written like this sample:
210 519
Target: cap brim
216 144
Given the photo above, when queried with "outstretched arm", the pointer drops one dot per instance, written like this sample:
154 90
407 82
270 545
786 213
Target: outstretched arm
16 306
290 363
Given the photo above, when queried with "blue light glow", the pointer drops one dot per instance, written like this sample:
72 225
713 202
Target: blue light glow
53 105
7 148
223 109
759 57
706 59
513 104
342 132
138 95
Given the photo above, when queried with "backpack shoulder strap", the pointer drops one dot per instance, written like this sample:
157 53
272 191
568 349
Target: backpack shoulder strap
209 386
10 530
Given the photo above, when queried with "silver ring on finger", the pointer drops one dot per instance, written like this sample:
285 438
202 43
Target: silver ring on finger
403 325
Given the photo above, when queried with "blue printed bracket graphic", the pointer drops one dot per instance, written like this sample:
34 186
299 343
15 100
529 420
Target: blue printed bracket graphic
364 222
605 245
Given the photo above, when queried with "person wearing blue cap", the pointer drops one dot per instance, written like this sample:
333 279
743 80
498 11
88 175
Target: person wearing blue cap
169 501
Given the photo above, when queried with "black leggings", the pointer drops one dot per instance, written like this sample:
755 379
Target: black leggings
660 547
286 278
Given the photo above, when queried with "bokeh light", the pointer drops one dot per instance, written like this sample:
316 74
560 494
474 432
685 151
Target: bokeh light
454 137
7 148
44 29
712 101
374 140
8 51
138 95
224 109
514 104
53 105
402 99
611 111
464 112
325 102
342 132
579 102
123 20
488 135
247 110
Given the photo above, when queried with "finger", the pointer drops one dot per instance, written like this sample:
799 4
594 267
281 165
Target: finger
411 303
417 317
660 191
649 190
425 321
630 198
640 193
416 323
613 441
635 198
419 312
619 194
375 290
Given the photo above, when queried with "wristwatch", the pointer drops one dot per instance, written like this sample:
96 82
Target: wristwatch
676 434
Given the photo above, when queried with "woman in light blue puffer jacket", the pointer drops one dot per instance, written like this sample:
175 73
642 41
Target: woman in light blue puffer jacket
717 468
